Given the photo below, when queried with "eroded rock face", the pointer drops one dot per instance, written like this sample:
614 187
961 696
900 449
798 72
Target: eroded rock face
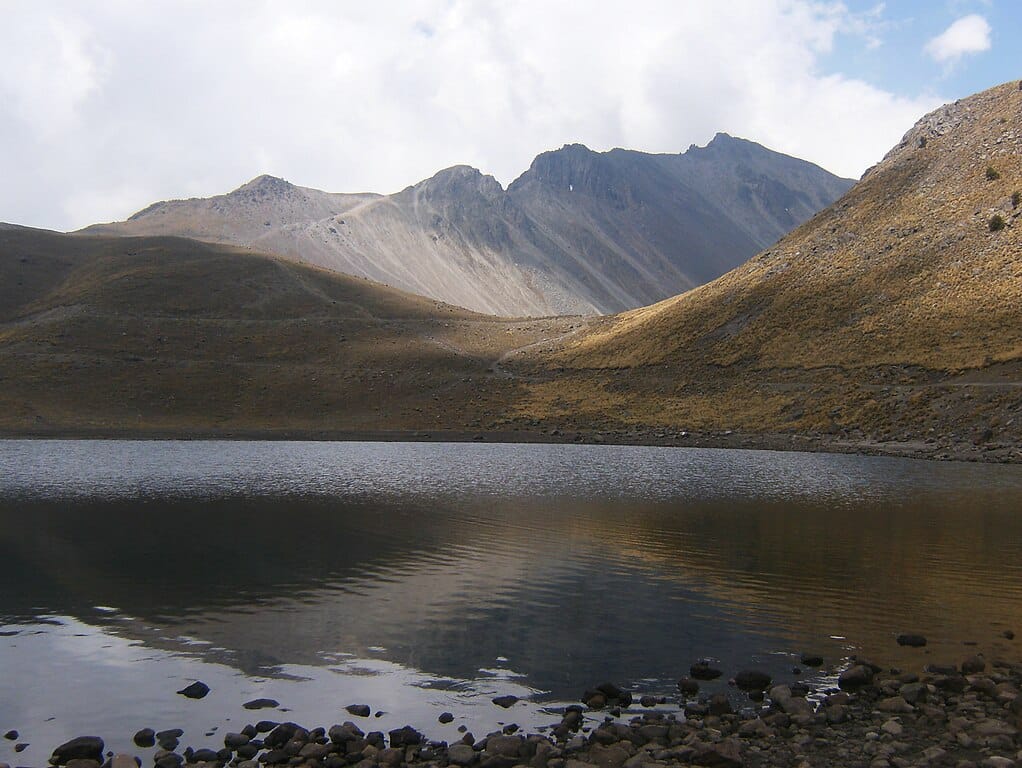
578 232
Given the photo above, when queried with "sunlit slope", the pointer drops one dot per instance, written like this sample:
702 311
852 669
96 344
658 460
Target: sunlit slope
909 268
164 333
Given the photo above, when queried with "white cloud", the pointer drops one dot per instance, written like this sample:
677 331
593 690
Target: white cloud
969 34
134 102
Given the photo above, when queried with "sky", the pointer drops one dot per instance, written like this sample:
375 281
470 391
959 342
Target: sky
109 105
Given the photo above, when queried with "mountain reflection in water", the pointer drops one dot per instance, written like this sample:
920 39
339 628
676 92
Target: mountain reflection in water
566 565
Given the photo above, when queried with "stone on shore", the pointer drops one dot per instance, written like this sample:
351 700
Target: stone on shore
506 701
461 755
81 748
358 710
857 676
144 738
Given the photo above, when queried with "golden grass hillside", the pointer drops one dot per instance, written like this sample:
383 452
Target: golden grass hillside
893 315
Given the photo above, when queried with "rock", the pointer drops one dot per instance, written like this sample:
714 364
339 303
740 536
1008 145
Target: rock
406 736
912 641
752 680
755 729
235 740
204 756
613 756
281 735
265 726
506 701
358 710
933 754
892 727
703 671
166 759
895 704
726 753
314 751
122 760
445 718
11 735
811 660
595 700
196 690
993 728
648 701
973 665
21 746
997 761
913 693
261 704
855 677
1008 634
505 746
81 748
145 738
688 686
461 755
342 734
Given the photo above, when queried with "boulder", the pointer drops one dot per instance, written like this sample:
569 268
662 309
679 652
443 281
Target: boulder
703 671
505 701
81 748
358 710
911 640
261 704
857 676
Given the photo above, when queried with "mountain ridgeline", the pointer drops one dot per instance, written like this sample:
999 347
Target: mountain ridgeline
580 232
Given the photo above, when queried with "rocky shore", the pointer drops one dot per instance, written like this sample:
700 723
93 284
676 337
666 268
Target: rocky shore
965 715
947 449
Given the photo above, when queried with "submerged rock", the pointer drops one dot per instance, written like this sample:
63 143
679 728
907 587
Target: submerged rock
752 680
196 690
912 641
261 704
703 671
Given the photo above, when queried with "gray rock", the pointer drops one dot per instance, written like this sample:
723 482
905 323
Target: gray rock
11 735
811 660
81 748
505 746
613 756
505 701
726 753
461 755
913 693
855 677
235 740
895 704
445 718
358 710
688 686
406 736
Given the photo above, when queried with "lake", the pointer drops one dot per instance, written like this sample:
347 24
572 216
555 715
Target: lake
421 578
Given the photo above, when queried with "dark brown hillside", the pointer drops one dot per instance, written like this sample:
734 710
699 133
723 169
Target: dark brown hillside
112 335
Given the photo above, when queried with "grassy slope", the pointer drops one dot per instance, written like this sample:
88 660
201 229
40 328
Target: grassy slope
166 333
870 318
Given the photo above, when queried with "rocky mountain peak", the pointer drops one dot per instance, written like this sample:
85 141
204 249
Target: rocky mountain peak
459 181
264 186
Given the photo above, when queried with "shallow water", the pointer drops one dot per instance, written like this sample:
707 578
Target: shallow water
425 577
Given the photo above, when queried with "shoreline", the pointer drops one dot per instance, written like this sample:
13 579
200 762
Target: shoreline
992 453
967 715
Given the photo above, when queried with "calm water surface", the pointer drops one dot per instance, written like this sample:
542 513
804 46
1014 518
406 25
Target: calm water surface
422 577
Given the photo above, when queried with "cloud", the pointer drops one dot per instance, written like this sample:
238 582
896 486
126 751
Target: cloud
969 34
135 102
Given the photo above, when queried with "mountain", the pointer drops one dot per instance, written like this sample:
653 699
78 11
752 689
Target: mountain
894 314
579 232
163 335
